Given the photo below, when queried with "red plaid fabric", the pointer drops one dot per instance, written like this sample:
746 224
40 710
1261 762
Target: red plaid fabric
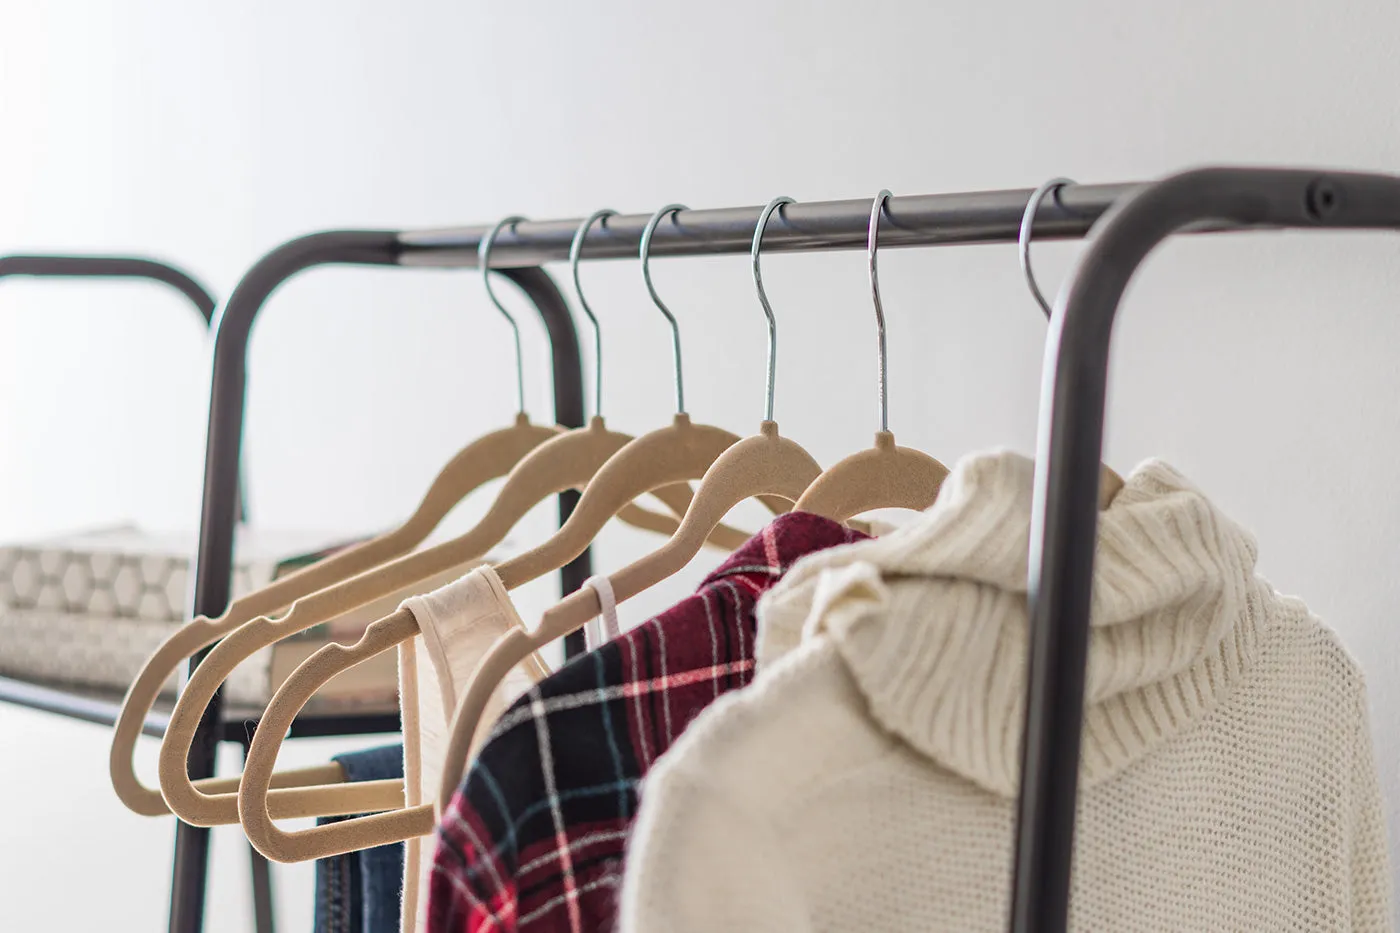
534 838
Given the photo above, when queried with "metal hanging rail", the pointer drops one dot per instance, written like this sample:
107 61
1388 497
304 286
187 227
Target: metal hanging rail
916 220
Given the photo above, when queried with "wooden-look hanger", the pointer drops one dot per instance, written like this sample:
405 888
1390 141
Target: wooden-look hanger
567 460
765 464
680 452
1109 482
483 460
886 476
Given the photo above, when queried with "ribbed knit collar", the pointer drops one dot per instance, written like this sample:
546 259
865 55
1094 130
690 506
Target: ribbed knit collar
931 619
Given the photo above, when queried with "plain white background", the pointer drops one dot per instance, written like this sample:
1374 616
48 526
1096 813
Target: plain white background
1265 366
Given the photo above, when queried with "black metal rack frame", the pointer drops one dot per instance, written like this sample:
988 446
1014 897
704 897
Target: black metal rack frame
1134 218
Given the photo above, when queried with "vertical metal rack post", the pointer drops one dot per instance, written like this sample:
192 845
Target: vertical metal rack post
214 560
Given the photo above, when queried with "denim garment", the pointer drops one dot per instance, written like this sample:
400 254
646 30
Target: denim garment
359 892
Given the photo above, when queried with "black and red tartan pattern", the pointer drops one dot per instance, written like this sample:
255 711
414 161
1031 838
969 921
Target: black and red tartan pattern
534 838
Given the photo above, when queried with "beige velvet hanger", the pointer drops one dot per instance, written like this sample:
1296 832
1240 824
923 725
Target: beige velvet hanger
564 462
679 452
887 476
483 460
569 459
765 464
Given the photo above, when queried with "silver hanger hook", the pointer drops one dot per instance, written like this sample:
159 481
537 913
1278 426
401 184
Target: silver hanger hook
483 259
645 253
1023 242
575 252
767 212
872 244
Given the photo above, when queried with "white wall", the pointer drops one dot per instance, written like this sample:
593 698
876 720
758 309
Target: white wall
1262 365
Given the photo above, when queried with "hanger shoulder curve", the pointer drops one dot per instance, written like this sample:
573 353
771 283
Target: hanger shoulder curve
767 464
677 498
885 476
676 453
571 460
487 458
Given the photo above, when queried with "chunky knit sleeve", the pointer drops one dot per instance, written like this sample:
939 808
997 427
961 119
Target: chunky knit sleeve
1372 911
699 861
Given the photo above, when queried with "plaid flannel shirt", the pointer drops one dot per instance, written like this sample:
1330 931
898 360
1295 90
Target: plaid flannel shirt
534 838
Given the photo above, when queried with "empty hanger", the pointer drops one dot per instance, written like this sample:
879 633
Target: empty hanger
886 476
487 458
532 479
1109 481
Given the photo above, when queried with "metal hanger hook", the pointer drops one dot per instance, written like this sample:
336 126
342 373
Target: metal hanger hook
483 259
575 253
767 212
1023 242
872 246
645 253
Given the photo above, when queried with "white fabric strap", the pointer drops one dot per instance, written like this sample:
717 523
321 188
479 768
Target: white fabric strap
603 628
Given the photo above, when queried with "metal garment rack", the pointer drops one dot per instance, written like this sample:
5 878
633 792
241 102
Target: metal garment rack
1071 426
214 560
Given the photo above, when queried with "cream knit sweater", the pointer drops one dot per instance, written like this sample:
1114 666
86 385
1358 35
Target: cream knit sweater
866 779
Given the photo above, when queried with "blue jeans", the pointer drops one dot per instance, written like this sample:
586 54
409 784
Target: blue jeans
360 892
